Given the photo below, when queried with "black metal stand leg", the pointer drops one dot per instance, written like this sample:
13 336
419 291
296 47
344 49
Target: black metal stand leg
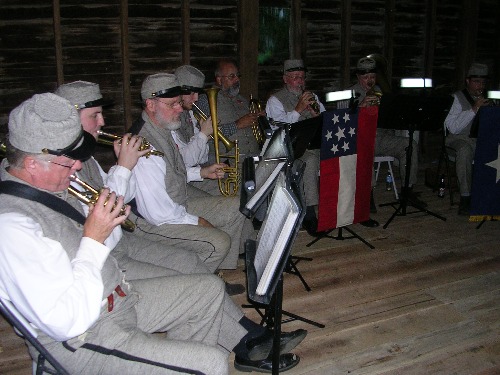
340 237
292 269
405 201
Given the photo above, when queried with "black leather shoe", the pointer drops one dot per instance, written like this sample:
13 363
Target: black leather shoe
234 289
287 361
261 347
370 223
311 226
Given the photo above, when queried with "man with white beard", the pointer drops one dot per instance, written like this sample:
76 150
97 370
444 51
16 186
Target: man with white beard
163 193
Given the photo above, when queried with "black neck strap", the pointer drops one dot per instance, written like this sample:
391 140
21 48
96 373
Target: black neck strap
56 204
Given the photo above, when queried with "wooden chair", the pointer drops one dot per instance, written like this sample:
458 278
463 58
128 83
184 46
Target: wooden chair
24 329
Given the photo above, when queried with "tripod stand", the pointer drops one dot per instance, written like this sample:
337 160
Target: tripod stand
411 113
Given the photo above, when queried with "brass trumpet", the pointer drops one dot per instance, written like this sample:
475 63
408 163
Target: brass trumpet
202 116
228 186
374 92
255 107
90 196
108 139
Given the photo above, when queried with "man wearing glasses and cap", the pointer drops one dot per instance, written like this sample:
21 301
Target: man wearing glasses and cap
291 104
459 121
59 274
164 196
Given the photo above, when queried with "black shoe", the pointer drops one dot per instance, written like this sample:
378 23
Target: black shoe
373 207
370 223
261 347
464 206
257 224
311 227
287 361
234 289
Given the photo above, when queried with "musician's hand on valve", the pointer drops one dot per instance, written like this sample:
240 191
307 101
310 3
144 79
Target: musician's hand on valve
369 100
304 101
214 171
206 126
247 121
481 102
127 150
104 216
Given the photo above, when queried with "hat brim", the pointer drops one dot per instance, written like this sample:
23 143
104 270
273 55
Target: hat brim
81 149
365 71
95 103
186 90
297 69
168 93
478 76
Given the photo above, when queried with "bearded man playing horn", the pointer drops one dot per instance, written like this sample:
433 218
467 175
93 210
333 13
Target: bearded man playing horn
290 104
164 196
367 93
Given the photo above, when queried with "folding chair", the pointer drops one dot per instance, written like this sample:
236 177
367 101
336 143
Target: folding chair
389 160
26 331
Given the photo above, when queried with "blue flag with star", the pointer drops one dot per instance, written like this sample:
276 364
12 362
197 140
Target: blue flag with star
485 203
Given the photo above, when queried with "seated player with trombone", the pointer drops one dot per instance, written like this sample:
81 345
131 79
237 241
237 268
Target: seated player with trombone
186 255
197 128
164 196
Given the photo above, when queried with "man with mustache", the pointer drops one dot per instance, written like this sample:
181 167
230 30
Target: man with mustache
466 104
163 193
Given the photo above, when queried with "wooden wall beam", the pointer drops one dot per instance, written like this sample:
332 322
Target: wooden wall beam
296 30
390 7
430 37
467 39
345 43
127 96
248 51
186 37
56 9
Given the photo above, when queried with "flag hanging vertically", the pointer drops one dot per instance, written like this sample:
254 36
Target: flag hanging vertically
485 202
347 148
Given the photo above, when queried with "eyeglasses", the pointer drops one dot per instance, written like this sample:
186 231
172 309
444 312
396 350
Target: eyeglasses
296 78
232 76
172 105
62 165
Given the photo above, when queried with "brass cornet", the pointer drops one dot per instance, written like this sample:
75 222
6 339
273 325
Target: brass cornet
374 92
90 196
255 107
229 185
202 116
108 139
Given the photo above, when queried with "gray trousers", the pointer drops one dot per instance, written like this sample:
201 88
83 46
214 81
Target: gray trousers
465 148
188 309
387 143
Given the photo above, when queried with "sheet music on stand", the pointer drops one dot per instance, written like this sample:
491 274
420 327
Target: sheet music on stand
267 256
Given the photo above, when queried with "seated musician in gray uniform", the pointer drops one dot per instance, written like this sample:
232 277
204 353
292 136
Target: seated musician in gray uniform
367 93
466 104
211 248
164 196
58 272
292 103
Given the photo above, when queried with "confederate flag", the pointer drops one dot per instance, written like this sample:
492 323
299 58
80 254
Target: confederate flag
347 148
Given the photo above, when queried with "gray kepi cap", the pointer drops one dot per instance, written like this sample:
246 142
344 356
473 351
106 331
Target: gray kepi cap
47 123
83 94
160 85
294 66
366 65
190 79
477 70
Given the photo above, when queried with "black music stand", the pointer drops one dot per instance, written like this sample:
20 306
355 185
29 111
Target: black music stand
408 112
267 258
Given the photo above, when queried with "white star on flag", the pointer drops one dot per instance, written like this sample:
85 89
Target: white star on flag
335 118
345 146
496 164
340 134
335 149
352 131
328 135
346 117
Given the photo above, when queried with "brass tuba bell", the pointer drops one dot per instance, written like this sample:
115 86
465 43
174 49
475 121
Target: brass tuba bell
90 196
229 185
255 107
